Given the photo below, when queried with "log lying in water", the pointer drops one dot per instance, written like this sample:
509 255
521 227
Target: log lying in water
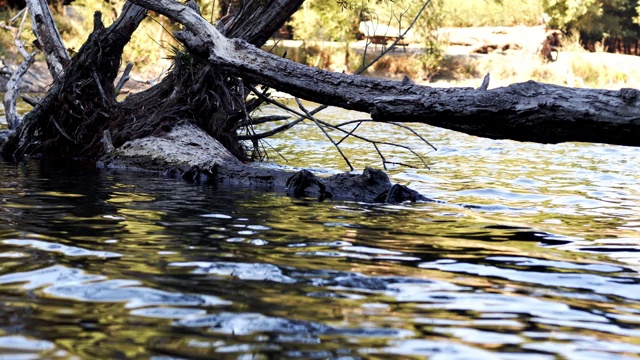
188 152
81 105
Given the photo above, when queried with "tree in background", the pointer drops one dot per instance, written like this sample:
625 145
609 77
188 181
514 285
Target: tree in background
614 23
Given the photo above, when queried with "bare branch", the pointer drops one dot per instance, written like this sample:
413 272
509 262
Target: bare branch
408 128
94 74
124 78
375 142
30 100
13 90
48 36
260 120
64 133
13 85
397 40
324 131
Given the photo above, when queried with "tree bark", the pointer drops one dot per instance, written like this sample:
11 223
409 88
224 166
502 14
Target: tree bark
80 102
257 20
81 108
13 90
525 112
49 39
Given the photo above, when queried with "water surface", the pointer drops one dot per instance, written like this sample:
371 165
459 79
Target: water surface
531 252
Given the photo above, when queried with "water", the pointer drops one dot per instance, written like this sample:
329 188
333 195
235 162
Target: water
532 252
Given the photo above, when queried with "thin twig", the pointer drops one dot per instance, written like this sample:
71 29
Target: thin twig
309 116
324 131
260 120
392 123
23 11
397 40
377 142
384 161
280 128
350 132
64 133
30 99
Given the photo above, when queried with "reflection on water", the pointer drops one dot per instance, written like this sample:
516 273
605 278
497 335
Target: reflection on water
532 253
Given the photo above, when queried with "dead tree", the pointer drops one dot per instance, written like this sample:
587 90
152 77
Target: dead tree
81 105
212 77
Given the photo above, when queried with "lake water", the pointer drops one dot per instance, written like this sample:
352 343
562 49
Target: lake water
531 252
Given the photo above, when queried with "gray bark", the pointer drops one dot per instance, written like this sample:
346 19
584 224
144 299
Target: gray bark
249 23
48 36
13 90
526 111
13 84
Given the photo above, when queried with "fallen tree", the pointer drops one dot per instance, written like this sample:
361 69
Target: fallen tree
219 68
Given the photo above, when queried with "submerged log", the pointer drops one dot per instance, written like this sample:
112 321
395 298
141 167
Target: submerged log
80 115
190 153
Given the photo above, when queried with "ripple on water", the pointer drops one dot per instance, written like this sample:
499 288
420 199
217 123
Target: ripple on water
250 323
64 249
17 347
626 287
67 283
519 258
242 271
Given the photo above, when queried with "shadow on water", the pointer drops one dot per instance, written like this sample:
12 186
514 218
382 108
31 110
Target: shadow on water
530 258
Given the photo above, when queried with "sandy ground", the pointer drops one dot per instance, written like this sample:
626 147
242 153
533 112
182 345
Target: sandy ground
505 67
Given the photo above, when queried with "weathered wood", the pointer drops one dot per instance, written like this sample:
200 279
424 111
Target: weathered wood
74 107
526 111
257 20
13 84
48 36
13 91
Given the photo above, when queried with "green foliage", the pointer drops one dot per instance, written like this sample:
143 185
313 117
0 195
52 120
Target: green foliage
427 29
326 20
596 20
464 13
565 14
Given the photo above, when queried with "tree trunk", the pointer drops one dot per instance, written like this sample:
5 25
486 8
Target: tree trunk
526 112
81 101
205 88
83 97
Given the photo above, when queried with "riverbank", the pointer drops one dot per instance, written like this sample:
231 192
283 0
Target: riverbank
468 57
515 60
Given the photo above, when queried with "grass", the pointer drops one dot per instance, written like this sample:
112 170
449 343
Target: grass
147 49
463 13
575 67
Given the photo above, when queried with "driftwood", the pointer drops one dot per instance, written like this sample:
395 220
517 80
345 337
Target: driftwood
209 84
528 111
191 154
